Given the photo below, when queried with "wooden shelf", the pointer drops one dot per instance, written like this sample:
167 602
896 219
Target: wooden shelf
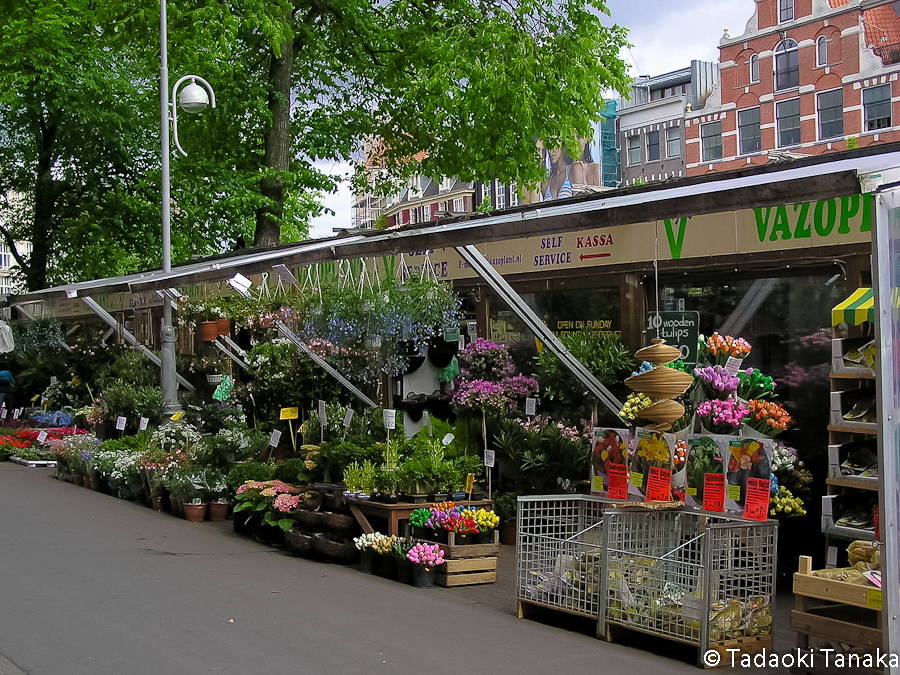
853 376
858 482
854 430
858 595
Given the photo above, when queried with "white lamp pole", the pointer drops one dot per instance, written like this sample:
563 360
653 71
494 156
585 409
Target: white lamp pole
193 99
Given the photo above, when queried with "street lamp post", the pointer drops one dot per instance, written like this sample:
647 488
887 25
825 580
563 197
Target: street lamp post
193 99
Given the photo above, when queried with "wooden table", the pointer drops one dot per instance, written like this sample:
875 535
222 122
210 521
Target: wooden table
394 513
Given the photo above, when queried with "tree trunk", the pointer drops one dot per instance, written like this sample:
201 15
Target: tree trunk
45 194
278 147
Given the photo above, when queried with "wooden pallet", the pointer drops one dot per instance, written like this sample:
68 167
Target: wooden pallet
454 551
467 572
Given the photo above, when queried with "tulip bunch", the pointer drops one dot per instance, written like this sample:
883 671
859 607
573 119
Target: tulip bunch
720 347
784 504
633 406
753 384
722 417
716 381
768 418
426 555
484 520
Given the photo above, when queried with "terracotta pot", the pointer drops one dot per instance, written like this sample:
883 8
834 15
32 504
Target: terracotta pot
156 502
224 326
217 512
208 330
195 513
508 532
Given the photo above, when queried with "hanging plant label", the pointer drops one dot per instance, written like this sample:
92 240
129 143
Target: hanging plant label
53 380
489 457
142 424
275 438
348 417
531 406
390 418
120 423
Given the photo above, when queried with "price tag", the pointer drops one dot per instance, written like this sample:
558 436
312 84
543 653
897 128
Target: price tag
714 492
733 365
177 416
462 342
637 479
16 413
756 506
692 607
531 406
3 412
470 482
448 439
53 380
240 407
489 457
874 598
2 404
472 328
290 413
35 398
323 418
390 418
597 484
734 493
42 437
142 424
618 481
275 438
692 491
659 484
348 417
120 424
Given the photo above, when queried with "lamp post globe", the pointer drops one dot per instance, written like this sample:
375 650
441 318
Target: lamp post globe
193 98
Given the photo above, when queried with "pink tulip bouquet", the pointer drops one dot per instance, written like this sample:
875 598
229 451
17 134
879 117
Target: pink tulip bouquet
426 555
722 417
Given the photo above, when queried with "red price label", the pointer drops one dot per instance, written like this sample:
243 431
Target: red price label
714 492
756 505
618 481
659 485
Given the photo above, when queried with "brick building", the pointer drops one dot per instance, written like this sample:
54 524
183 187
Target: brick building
805 78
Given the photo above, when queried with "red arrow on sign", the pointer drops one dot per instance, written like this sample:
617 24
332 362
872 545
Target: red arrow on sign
595 255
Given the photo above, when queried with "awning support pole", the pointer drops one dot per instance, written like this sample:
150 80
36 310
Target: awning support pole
109 319
222 348
486 271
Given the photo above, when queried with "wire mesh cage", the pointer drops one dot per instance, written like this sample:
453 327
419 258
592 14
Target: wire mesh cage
559 562
692 577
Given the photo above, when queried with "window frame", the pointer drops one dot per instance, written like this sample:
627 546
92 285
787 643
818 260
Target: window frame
499 195
633 144
785 7
704 147
789 71
822 51
866 108
758 129
459 201
778 120
819 110
650 135
514 193
754 69
669 141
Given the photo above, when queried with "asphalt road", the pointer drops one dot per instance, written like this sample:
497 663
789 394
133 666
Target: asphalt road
92 585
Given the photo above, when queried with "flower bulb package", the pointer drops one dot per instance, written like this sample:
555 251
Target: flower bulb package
650 466
609 462
705 471
747 458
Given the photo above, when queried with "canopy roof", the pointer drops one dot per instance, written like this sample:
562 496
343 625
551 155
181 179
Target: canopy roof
856 309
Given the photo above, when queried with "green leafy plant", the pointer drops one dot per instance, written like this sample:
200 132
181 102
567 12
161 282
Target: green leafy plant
241 473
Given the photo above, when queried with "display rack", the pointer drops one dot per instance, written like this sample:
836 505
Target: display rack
701 579
851 383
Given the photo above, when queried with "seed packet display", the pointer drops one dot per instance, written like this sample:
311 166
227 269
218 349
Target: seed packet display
706 467
650 466
747 458
609 462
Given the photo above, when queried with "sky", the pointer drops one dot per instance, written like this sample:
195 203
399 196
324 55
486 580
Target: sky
664 35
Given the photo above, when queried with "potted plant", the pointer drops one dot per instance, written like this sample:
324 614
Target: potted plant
506 506
195 497
424 558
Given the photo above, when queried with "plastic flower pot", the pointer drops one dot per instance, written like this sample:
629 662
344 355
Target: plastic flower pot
422 577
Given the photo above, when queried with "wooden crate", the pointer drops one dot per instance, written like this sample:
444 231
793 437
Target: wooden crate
467 572
453 551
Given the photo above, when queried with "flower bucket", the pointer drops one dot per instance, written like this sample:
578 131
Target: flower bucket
749 432
368 561
422 577
208 330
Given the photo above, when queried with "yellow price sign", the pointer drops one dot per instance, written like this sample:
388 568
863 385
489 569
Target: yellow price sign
734 492
290 413
177 416
35 398
873 598
637 479
597 484
470 482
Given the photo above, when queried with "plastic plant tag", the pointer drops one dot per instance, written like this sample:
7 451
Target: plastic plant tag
142 423
448 439
323 418
120 424
42 437
16 413
531 406
3 412
35 398
275 438
470 482
177 416
289 413
348 417
390 418
733 365
489 457
53 380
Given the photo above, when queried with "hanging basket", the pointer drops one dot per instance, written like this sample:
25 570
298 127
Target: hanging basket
208 330
223 326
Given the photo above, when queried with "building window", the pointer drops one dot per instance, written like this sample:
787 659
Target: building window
514 194
877 105
634 150
822 51
711 141
653 146
785 10
788 115
787 65
673 142
830 105
458 205
748 131
500 192
754 68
